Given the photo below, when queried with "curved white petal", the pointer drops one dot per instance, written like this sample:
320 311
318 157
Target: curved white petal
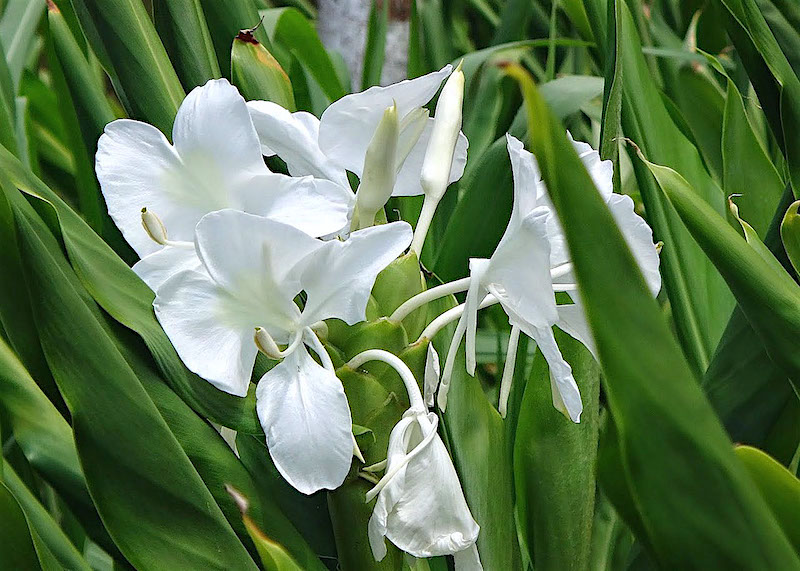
156 268
347 125
213 126
137 167
408 177
527 180
306 419
572 320
256 260
602 172
520 271
639 237
316 206
422 509
293 137
212 334
468 559
339 276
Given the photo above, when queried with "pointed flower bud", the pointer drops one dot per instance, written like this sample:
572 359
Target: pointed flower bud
266 344
154 227
380 170
446 127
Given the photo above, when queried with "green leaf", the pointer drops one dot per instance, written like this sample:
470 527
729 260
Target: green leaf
225 19
767 294
182 28
273 556
128 300
554 463
7 107
166 514
16 545
123 37
780 488
790 235
257 74
18 32
399 281
701 512
375 46
293 34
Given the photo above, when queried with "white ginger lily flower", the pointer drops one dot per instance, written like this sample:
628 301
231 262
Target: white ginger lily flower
214 163
338 142
531 263
252 270
420 505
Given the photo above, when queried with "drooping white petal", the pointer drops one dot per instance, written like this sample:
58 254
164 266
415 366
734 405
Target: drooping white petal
338 277
154 269
432 374
347 125
293 137
639 237
602 172
478 268
316 206
422 509
211 330
408 178
468 559
213 127
303 410
572 320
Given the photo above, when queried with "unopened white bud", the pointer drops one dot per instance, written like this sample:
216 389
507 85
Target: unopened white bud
446 126
266 344
154 227
377 180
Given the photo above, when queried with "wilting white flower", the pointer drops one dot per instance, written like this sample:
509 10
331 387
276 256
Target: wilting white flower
214 163
253 268
420 507
531 263
338 141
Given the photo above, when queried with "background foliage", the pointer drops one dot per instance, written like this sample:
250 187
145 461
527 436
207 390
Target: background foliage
111 457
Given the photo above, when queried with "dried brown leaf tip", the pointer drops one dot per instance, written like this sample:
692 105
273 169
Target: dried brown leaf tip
247 35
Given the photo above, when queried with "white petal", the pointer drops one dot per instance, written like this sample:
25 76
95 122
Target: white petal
426 513
602 172
432 374
478 268
293 137
156 268
468 559
306 419
639 237
347 126
520 266
256 260
137 167
527 180
211 338
316 206
572 320
408 178
566 396
213 127
339 276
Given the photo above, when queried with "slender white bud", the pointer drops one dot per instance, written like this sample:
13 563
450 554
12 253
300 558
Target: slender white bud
154 227
266 344
377 180
446 127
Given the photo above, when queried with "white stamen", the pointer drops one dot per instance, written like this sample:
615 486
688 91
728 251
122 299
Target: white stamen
449 316
266 344
414 394
407 307
154 227
508 371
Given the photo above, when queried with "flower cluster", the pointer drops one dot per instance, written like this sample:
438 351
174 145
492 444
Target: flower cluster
243 260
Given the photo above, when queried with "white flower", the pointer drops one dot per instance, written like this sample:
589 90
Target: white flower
531 263
420 507
338 141
215 163
252 270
